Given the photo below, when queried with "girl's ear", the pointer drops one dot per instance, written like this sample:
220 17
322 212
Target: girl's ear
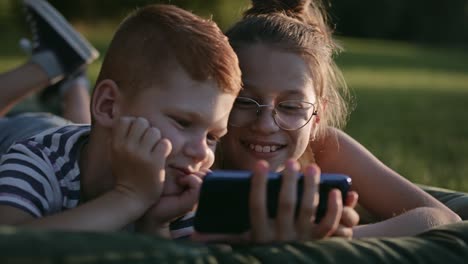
316 121
316 118
105 104
315 127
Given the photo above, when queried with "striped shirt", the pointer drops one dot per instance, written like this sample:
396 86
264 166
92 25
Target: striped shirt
41 175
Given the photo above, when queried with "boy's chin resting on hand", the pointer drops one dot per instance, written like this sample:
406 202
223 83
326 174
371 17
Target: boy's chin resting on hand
171 206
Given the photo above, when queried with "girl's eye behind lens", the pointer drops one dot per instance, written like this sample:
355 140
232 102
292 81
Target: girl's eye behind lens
242 102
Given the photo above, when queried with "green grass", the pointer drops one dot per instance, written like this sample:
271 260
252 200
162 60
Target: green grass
410 103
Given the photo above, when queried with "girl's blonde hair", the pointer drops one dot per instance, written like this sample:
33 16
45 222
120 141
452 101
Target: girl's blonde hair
299 26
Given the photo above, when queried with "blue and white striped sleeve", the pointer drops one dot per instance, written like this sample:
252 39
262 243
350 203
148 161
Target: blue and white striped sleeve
182 227
25 180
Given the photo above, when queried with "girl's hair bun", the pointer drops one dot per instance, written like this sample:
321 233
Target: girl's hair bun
296 7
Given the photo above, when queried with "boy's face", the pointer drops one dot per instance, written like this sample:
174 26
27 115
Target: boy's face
192 115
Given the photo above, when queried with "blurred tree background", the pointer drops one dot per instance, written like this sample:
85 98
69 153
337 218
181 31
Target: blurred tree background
426 21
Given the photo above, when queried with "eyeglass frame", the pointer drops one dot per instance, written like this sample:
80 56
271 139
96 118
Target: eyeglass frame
274 113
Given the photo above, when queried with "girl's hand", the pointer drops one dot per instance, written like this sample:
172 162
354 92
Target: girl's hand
349 218
287 227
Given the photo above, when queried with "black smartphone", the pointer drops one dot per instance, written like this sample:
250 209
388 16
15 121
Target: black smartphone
224 196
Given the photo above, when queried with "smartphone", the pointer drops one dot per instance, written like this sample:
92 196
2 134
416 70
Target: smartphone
224 199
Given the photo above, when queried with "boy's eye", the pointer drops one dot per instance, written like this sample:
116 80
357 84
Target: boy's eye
212 140
182 122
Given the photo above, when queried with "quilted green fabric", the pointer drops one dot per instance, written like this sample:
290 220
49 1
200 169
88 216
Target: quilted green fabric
446 244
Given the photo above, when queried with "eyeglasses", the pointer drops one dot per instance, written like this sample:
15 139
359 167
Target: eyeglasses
288 115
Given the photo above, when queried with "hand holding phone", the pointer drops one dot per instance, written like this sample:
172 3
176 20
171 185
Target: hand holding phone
224 199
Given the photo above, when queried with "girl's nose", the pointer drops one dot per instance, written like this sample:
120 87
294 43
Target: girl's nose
265 121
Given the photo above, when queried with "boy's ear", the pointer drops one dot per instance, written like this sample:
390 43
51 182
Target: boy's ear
105 103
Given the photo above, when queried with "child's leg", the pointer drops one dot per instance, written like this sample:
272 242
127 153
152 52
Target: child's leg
52 32
59 54
76 101
20 82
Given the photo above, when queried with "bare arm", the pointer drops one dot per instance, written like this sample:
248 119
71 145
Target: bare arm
111 211
381 190
410 223
139 159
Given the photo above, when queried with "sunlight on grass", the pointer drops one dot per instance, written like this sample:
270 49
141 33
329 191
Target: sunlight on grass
397 78
410 111
378 47
11 62
420 133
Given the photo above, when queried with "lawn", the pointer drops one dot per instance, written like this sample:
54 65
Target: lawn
410 103
410 108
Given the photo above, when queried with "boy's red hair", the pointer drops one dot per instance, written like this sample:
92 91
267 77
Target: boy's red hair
153 37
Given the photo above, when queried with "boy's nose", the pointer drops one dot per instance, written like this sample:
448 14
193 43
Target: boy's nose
197 150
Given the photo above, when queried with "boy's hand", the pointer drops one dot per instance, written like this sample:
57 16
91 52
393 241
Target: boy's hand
138 160
156 219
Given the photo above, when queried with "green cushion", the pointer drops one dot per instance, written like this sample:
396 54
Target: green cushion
457 201
446 244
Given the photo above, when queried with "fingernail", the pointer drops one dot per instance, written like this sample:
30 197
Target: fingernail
312 170
263 164
293 165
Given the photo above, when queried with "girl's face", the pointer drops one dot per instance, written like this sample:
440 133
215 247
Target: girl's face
270 76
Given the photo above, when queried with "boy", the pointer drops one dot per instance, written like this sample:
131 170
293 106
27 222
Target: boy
161 102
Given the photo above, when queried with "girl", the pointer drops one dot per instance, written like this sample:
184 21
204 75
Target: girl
290 105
